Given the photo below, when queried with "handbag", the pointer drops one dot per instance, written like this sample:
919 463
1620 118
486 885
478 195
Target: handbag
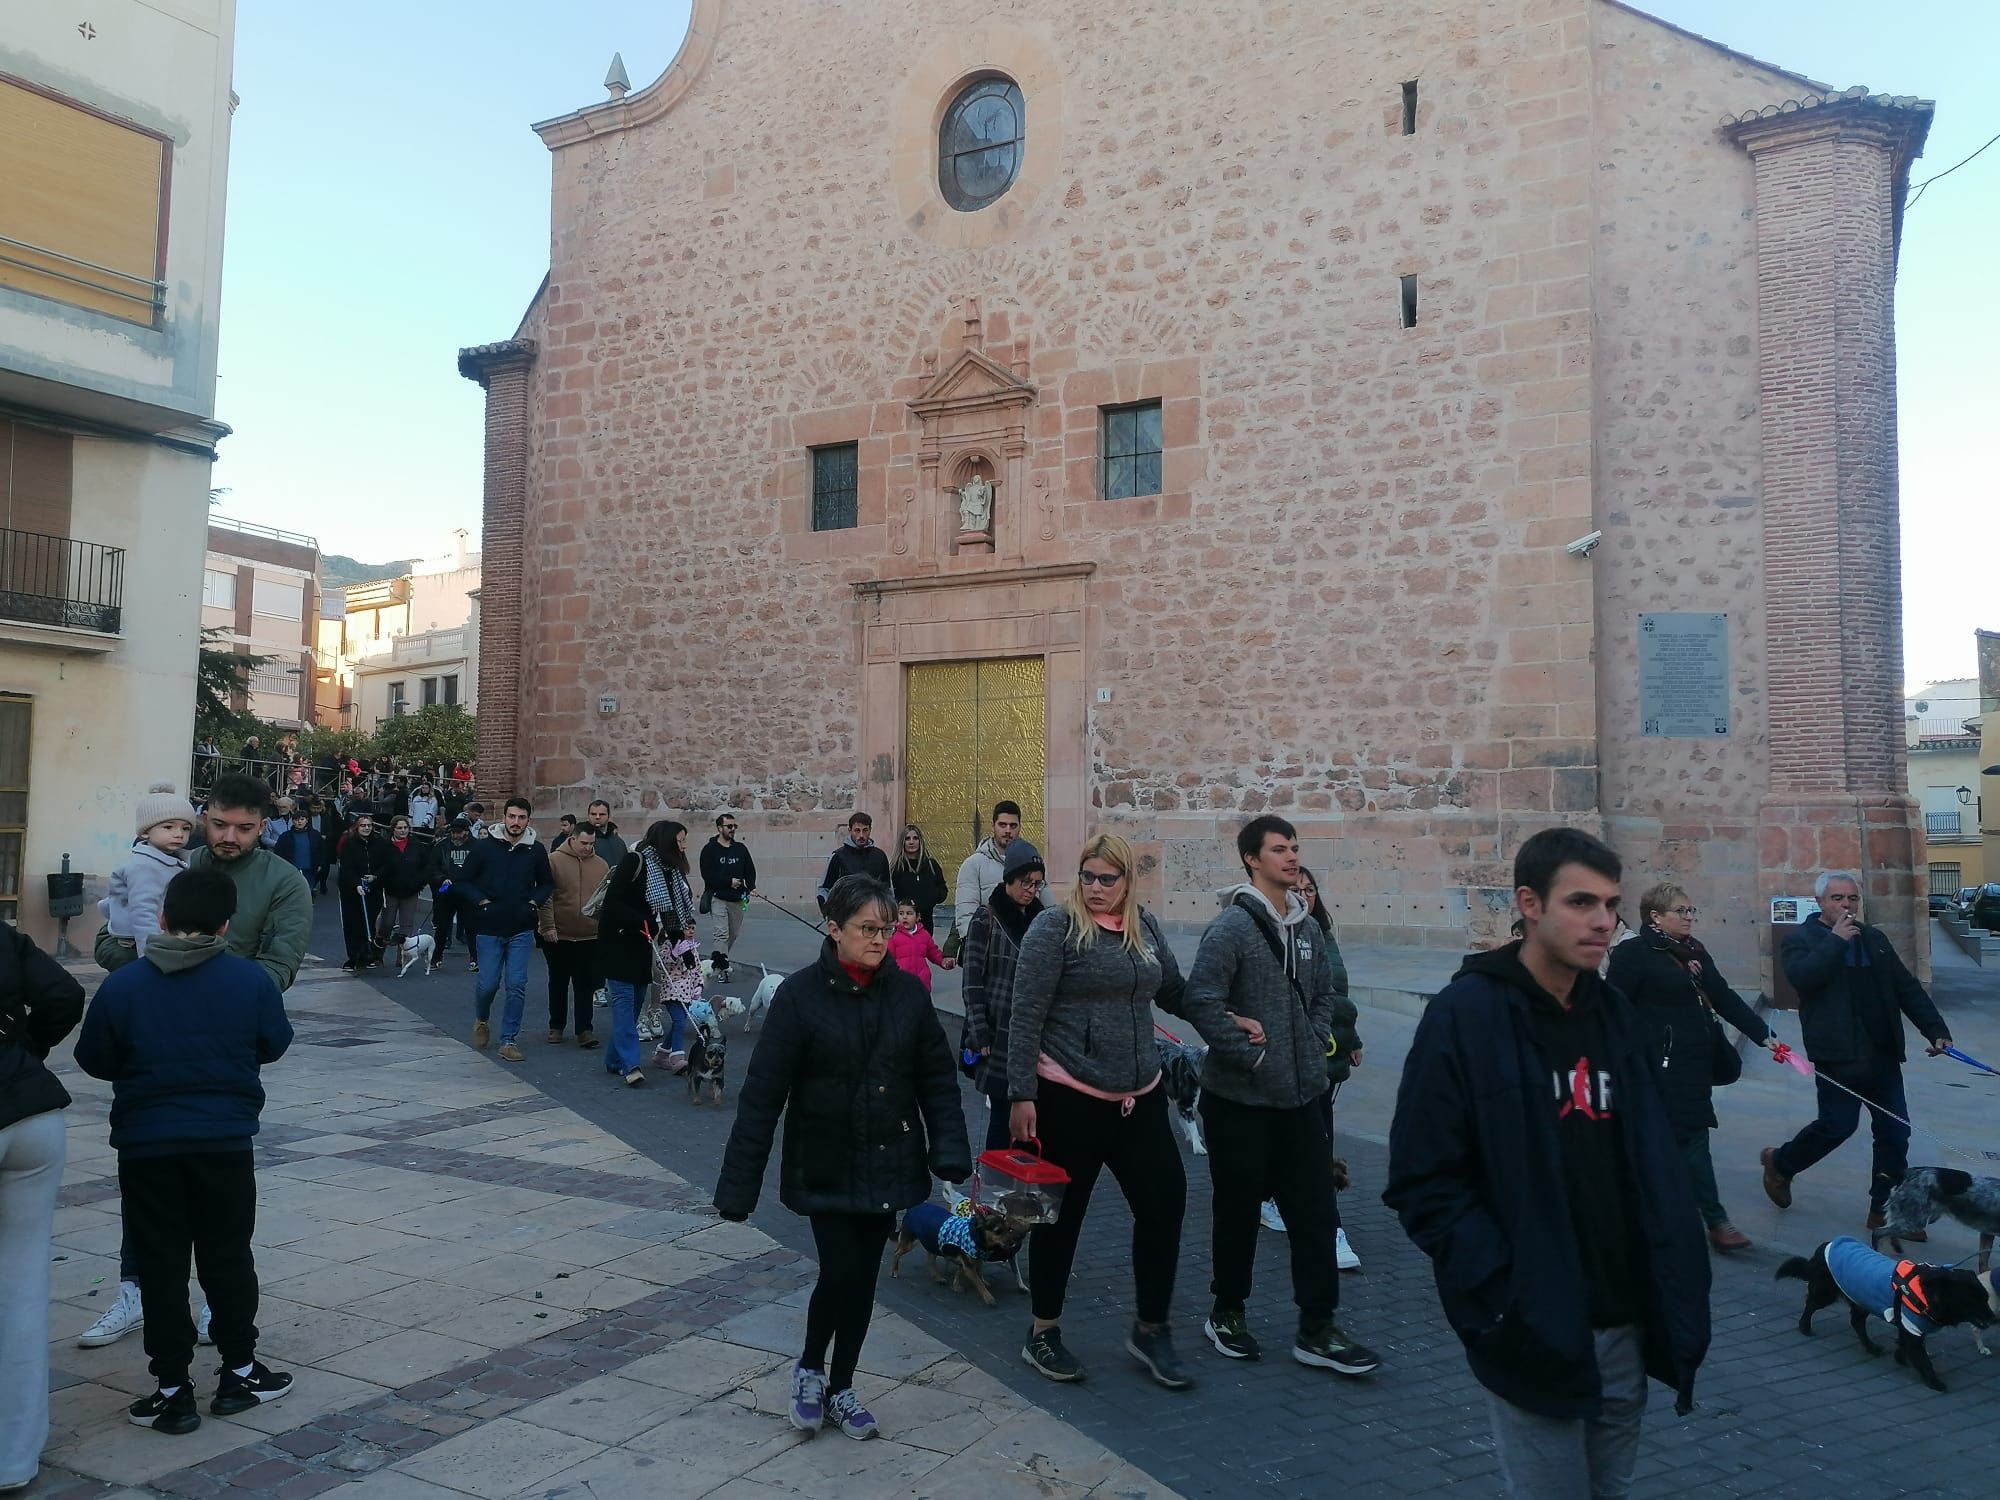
1724 1061
594 902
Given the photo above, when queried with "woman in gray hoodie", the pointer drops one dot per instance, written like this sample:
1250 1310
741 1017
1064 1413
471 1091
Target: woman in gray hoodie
1083 1076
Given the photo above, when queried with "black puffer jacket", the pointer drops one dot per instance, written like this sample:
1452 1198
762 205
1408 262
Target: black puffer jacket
1669 999
864 1078
40 1004
1853 996
405 871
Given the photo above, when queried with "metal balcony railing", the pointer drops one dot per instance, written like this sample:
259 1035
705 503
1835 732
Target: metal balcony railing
1941 823
55 580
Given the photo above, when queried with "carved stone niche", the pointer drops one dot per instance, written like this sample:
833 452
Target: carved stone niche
975 432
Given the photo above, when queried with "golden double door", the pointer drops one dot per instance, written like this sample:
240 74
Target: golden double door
977 733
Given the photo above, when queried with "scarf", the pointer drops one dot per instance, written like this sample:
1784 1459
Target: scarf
1011 915
659 893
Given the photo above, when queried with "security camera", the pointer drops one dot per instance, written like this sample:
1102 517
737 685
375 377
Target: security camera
1583 545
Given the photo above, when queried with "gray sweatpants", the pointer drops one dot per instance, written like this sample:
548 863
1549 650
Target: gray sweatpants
32 1153
725 925
1553 1458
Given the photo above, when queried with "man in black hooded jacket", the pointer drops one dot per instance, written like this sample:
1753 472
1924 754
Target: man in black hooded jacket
1532 1159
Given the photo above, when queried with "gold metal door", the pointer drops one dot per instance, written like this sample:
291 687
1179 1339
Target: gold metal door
977 733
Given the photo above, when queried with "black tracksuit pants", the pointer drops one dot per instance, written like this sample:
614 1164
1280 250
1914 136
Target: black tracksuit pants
843 1300
204 1202
572 969
1256 1153
360 909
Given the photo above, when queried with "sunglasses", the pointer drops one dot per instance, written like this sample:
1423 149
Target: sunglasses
1093 877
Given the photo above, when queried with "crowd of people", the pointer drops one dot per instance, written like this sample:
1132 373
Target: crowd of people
1548 1151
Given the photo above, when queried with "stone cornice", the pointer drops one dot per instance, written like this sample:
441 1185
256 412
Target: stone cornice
1896 122
875 587
481 360
651 102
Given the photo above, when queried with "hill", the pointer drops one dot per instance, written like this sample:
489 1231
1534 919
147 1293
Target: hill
337 571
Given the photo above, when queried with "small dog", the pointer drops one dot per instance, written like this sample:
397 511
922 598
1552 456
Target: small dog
759 1003
1180 1076
972 1241
412 951
707 1053
1927 1194
1915 1300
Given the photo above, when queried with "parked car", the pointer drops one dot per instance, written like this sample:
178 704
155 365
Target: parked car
1986 907
1940 904
1964 902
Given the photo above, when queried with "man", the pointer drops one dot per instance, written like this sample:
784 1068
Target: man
610 848
449 910
564 829
475 814
857 856
271 927
506 878
728 876
363 857
1261 993
1565 1240
302 847
277 823
569 938
980 871
1853 994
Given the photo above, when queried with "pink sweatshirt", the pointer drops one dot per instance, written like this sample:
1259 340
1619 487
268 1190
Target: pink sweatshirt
914 953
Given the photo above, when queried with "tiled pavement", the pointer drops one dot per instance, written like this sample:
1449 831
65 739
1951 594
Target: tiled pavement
483 1294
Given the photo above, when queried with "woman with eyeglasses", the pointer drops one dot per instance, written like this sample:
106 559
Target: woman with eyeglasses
1083 1077
989 958
853 1057
1673 982
918 878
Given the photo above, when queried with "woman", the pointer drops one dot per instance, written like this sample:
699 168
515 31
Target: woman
1343 1053
360 859
677 957
918 878
1669 977
40 1003
1083 1074
625 924
648 912
853 1057
406 869
989 958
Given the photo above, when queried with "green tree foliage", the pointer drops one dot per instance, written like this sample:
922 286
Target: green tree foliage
322 739
220 671
439 733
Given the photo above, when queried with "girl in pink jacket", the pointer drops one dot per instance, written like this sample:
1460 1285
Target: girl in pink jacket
913 949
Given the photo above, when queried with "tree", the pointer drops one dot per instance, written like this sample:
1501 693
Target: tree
321 739
436 734
221 671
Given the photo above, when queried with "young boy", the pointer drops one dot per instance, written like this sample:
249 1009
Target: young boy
913 949
132 910
181 1037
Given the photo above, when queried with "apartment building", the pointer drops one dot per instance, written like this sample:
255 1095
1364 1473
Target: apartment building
260 592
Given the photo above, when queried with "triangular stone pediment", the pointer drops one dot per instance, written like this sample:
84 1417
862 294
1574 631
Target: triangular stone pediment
973 380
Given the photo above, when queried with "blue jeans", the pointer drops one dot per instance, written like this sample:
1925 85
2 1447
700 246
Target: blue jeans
677 1020
621 1054
512 952
1840 1113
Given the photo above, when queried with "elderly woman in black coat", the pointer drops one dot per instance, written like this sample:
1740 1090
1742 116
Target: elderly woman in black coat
1673 982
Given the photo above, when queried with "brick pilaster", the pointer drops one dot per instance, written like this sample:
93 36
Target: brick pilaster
503 370
1830 181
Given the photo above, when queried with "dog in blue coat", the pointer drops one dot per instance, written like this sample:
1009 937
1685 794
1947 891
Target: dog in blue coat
1915 1300
970 1237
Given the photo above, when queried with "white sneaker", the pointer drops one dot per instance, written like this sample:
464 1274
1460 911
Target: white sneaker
1271 1218
201 1326
119 1319
1343 1253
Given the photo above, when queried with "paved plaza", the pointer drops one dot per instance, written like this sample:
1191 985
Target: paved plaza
506 1281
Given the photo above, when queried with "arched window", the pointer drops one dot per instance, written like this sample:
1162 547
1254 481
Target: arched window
980 143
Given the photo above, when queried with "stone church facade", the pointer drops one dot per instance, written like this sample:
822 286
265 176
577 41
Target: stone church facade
1228 458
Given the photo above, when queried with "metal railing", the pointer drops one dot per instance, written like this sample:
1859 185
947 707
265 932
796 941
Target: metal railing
1945 729
54 580
1942 823
252 528
147 291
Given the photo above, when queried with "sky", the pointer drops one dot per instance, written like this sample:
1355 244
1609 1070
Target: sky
388 205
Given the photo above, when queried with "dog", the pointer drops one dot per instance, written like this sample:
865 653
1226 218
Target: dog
1928 1194
707 1054
1180 1076
759 1003
972 1238
1915 1300
412 951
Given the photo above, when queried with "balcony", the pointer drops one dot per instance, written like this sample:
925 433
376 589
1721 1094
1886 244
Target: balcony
1942 825
57 583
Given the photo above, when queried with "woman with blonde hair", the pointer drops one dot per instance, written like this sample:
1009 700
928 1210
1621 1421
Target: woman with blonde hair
1083 1076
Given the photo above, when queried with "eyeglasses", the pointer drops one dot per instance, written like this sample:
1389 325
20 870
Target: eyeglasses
1096 877
872 932
1685 911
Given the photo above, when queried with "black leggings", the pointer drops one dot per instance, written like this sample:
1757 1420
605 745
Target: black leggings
1083 1136
850 1258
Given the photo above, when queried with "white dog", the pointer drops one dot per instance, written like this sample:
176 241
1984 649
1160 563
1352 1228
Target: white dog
760 1001
414 951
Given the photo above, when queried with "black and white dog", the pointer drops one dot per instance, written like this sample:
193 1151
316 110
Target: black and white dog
707 1053
1928 1194
1913 1299
1180 1076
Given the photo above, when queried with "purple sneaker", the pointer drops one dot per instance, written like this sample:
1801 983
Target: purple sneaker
808 1398
845 1411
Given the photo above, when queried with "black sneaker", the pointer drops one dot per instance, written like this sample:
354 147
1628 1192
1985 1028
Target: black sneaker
1155 1351
1230 1334
1327 1348
1044 1350
175 1415
236 1393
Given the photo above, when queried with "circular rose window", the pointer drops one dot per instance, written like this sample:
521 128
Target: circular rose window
980 143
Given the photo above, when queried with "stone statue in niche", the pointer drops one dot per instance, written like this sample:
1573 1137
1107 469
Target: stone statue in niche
975 506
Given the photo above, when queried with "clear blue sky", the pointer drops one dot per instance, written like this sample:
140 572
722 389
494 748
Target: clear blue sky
388 204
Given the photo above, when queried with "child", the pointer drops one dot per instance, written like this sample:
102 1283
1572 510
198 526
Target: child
914 949
181 1036
853 1057
132 910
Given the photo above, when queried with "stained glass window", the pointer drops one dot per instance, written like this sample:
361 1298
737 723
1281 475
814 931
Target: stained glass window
980 143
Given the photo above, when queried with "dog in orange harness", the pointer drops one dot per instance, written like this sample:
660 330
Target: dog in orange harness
1916 1300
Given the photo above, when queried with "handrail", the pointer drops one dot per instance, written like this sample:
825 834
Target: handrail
273 533
59 581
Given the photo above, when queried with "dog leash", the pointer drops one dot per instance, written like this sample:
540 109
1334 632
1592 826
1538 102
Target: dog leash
1781 1052
1970 1062
803 922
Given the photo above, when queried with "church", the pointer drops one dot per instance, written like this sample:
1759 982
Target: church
1427 422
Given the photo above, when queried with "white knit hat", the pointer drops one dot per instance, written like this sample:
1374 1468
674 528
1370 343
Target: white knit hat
162 804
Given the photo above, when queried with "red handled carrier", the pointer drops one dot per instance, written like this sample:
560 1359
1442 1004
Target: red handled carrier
1016 1183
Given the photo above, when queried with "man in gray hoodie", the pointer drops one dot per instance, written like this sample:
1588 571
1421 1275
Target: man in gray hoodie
1261 993
980 872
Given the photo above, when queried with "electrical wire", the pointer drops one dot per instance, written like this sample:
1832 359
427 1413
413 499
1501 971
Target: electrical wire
1945 173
